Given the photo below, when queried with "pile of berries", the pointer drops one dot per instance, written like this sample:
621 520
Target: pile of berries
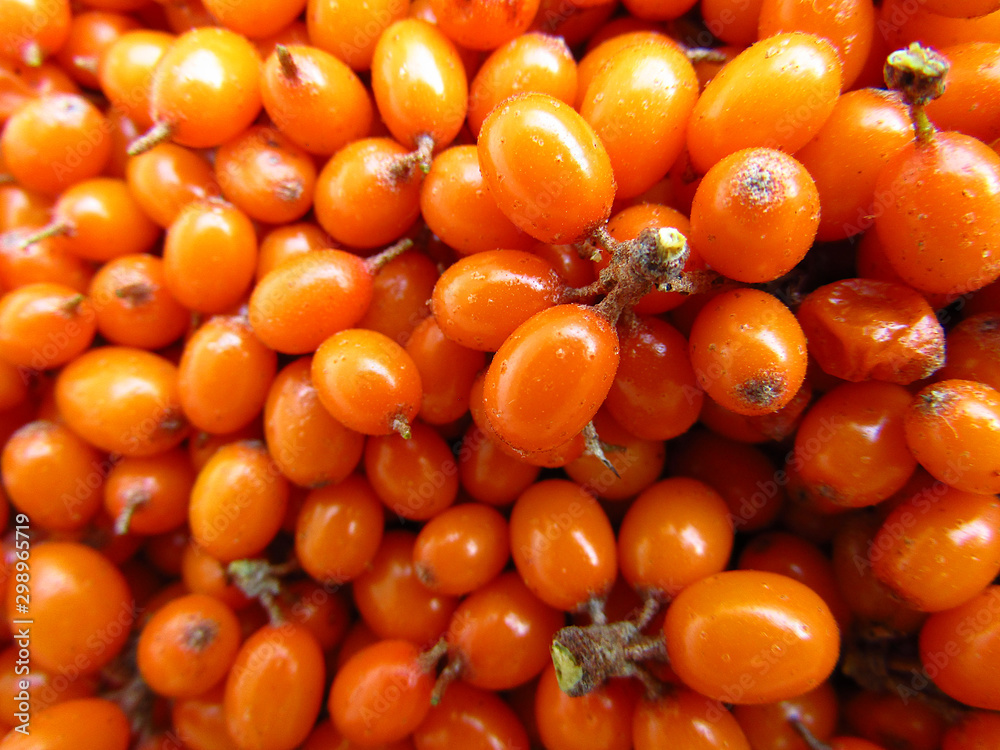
555 374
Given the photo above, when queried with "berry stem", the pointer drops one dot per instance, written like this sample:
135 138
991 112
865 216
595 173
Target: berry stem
160 132
419 158
56 228
288 67
259 579
378 261
133 501
31 54
401 425
704 54
594 447
920 75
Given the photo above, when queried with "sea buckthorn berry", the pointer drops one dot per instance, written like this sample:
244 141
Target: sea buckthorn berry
601 720
360 201
165 179
274 690
55 141
639 104
338 530
942 194
350 30
419 83
44 261
357 700
238 502
205 90
203 574
685 717
303 302
132 304
797 558
70 580
41 686
23 83
266 175
401 296
567 349
84 723
951 427
391 599
848 24
917 554
500 634
479 301
677 531
209 256
309 446
974 351
851 447
224 375
188 646
34 30
460 210
133 391
771 724
150 495
546 168
748 352
975 70
960 649
864 130
776 94
891 719
742 474
255 19
488 473
288 241
755 215
416 476
21 208
53 476
91 34
635 463
531 62
314 99
976 730
126 71
101 220
563 545
367 382
461 549
470 717
780 638
43 326
446 370
482 25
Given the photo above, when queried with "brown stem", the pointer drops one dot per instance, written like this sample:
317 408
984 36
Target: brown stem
401 425
134 500
160 132
135 294
419 158
920 75
594 447
288 67
451 672
259 579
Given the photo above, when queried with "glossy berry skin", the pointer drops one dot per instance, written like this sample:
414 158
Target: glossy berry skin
677 532
480 300
567 349
419 83
781 639
207 87
366 381
850 448
754 215
461 549
749 102
748 352
960 649
687 718
600 720
861 329
951 427
943 194
562 544
546 168
82 724
359 699
639 103
925 562
274 691
481 24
